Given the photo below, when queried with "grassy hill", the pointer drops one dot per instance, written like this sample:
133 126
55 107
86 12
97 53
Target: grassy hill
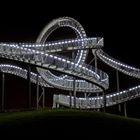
60 122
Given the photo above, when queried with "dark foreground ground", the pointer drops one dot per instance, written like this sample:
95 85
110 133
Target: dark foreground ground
64 123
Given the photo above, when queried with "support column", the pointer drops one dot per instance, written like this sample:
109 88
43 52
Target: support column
104 101
74 91
125 111
29 86
43 97
118 86
85 94
95 63
3 86
98 109
70 94
74 82
37 92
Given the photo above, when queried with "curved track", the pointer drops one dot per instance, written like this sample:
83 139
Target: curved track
79 58
92 102
90 80
18 71
54 62
122 67
97 102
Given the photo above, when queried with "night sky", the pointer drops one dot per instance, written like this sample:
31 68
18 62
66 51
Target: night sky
119 26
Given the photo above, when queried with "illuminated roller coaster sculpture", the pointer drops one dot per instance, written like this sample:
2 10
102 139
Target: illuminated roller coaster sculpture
90 80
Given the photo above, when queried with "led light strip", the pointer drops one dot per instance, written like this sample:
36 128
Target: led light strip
97 102
18 71
59 46
124 68
58 23
41 50
28 53
81 55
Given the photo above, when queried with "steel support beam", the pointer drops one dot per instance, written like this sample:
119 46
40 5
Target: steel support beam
3 91
74 91
95 58
104 101
74 82
118 86
29 86
98 109
85 95
125 110
37 92
95 63
70 94
43 97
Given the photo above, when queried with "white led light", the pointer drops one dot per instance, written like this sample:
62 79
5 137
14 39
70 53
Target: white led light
55 57
63 60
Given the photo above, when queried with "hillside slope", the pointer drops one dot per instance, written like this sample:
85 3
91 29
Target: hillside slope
67 122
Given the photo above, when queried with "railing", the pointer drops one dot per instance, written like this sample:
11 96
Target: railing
97 102
53 62
79 58
18 71
93 80
124 68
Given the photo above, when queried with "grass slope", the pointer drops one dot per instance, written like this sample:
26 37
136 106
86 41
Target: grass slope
66 122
